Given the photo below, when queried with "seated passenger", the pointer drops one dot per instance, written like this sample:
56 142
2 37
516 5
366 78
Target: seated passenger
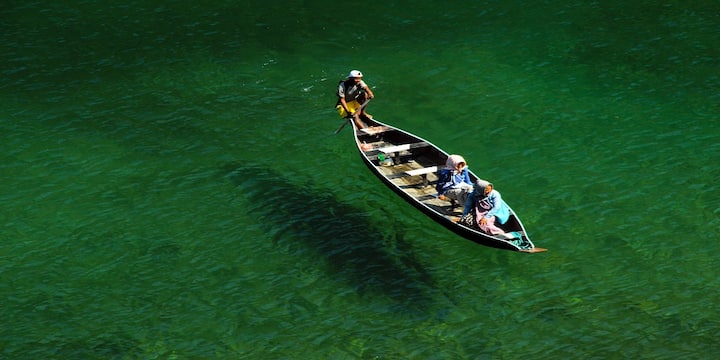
487 206
454 180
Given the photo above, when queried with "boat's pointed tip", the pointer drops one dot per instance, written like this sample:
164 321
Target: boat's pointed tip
534 250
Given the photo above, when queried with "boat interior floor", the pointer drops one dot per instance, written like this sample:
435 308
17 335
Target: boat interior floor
420 185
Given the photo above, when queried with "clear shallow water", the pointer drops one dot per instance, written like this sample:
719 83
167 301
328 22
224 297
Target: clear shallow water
172 187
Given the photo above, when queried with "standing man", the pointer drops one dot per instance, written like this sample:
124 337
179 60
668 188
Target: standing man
352 93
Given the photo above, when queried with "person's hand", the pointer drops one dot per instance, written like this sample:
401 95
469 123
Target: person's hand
483 221
443 197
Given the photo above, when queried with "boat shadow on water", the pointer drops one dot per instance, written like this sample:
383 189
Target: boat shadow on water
371 261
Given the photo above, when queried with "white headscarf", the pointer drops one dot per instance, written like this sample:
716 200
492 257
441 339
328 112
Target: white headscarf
453 160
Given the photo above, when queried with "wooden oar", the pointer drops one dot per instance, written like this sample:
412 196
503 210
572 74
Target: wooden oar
534 250
349 118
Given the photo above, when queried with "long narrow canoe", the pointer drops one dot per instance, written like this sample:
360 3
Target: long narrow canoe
408 165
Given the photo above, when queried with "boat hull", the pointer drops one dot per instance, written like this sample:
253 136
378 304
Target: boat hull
407 164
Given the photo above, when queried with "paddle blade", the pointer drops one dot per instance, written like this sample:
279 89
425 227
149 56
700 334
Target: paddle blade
535 250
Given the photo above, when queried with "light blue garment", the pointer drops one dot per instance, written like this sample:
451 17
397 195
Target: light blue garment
494 202
499 208
447 179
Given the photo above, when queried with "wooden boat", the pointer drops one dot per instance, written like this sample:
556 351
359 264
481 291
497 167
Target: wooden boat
408 164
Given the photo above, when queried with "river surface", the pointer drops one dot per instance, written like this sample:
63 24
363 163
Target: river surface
172 187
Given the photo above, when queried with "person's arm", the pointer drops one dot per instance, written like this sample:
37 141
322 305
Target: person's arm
467 176
341 96
368 91
496 200
345 106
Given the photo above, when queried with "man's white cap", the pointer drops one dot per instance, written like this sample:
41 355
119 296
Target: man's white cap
354 74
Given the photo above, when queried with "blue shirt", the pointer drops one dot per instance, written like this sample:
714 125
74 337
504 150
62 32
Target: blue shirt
493 203
447 180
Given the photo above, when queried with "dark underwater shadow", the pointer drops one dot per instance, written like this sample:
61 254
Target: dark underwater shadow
358 252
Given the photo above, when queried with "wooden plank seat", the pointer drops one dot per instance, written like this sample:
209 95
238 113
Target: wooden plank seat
402 147
394 150
376 130
422 172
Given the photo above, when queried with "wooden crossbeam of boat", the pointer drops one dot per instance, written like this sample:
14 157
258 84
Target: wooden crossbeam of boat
394 150
372 130
402 147
422 172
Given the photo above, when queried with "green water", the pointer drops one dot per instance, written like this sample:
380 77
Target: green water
172 188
